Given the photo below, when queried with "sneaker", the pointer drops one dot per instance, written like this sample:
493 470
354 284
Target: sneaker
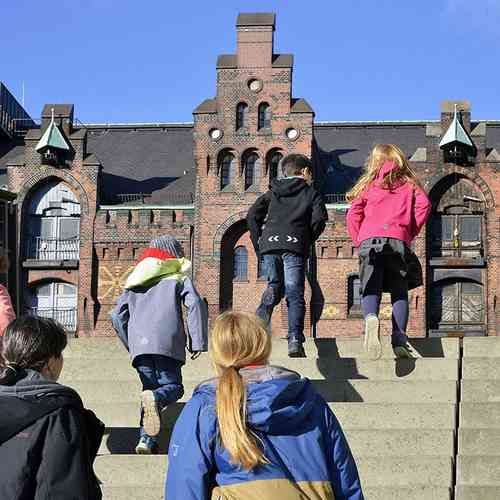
151 414
372 345
405 351
146 446
296 349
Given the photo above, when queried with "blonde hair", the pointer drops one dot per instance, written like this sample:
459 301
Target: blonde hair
237 340
379 154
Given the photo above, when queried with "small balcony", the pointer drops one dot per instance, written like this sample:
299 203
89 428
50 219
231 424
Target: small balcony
67 317
52 252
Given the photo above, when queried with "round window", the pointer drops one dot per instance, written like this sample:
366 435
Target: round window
292 133
255 85
215 134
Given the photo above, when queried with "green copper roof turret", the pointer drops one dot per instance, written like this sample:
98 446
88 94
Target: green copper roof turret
52 138
456 133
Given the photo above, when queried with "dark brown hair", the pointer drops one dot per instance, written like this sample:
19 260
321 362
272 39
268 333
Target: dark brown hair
28 343
294 164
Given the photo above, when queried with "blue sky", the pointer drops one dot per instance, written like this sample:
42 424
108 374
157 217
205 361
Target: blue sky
154 60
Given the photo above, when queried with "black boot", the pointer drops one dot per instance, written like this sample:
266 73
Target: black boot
295 348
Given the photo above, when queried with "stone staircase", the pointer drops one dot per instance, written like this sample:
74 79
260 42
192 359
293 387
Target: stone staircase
399 416
478 461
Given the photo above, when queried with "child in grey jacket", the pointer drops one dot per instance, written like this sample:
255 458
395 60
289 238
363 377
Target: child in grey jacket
148 319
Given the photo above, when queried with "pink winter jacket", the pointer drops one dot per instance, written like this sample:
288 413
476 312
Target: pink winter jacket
7 313
396 213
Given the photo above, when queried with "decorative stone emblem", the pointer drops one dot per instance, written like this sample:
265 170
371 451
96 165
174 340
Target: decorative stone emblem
330 311
112 280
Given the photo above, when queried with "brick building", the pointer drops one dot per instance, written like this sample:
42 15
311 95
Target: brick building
90 197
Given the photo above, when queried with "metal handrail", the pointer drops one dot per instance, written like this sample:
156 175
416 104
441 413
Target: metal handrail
66 316
53 248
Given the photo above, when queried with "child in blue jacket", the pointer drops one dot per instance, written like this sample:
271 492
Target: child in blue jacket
257 431
148 318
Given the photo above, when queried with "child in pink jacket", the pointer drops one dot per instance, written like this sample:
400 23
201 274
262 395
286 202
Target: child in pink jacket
388 210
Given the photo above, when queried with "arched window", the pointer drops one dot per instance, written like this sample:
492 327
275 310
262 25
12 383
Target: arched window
250 166
456 224
53 223
354 295
264 120
240 264
56 300
227 168
241 115
273 164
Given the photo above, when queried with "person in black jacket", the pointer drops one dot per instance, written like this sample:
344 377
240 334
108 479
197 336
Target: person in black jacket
48 441
283 224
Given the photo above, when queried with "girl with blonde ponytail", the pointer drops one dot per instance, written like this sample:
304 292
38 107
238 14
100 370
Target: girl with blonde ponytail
257 431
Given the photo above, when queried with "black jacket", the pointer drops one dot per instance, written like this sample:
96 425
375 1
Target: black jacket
48 442
289 217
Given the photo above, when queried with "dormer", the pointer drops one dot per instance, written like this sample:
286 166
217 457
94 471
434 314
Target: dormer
52 146
456 144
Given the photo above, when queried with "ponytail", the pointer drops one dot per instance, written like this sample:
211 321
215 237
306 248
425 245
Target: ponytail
28 343
11 374
238 440
238 340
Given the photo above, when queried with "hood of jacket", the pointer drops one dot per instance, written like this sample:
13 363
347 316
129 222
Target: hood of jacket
288 186
386 168
156 265
30 398
278 400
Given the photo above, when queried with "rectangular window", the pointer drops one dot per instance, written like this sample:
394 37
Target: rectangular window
470 228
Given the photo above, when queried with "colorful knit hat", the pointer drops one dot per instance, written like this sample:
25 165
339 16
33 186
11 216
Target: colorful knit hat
168 244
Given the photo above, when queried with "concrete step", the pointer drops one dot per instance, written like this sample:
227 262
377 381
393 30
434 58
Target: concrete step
408 493
481 347
481 369
479 442
350 415
478 470
370 391
480 391
383 443
125 470
319 368
477 493
480 415
111 347
134 492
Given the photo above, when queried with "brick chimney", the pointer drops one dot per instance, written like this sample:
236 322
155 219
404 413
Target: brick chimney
448 110
255 40
63 117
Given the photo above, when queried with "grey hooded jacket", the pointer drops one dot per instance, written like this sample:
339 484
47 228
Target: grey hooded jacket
149 319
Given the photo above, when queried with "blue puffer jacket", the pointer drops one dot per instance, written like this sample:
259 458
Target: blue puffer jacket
308 453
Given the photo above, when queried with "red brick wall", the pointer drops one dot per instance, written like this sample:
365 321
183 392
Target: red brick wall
218 212
121 236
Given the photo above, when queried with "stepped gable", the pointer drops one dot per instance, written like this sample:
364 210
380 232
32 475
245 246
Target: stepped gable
341 149
149 159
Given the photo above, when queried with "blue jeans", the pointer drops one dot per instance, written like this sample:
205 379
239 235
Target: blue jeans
163 376
285 272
